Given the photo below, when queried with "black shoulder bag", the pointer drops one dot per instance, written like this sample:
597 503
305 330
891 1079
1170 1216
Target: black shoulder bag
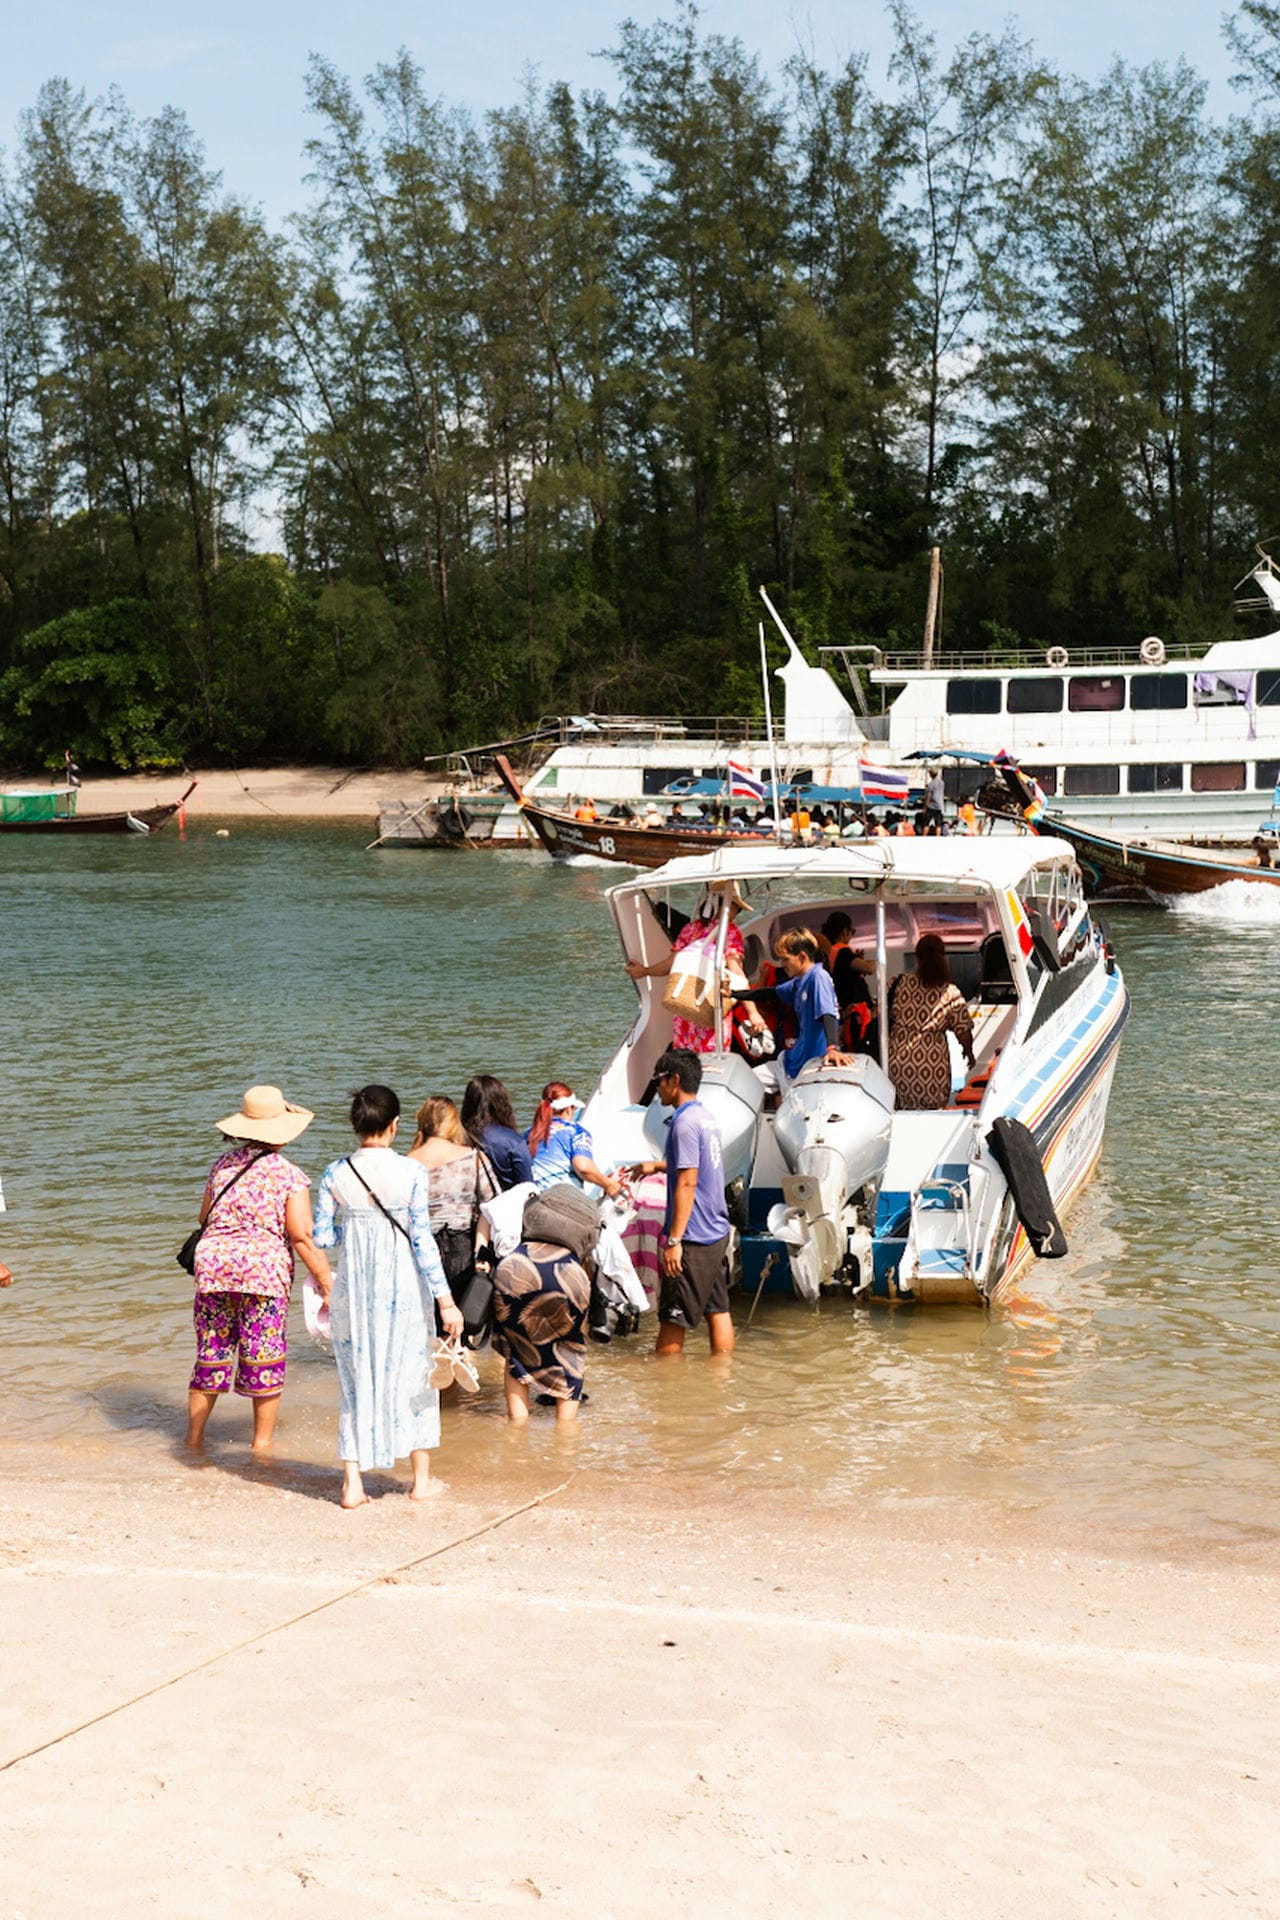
186 1254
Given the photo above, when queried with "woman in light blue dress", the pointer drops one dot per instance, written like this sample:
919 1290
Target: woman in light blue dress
372 1206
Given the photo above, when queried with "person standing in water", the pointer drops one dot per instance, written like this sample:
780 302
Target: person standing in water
695 1258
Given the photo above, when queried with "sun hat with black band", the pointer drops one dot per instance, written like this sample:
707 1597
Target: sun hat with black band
266 1116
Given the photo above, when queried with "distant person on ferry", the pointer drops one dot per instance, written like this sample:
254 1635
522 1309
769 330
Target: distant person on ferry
586 811
934 798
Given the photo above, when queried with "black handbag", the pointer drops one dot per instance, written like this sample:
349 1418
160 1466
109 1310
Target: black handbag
471 1285
186 1254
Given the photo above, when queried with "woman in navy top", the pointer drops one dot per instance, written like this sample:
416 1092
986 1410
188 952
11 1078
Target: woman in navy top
488 1118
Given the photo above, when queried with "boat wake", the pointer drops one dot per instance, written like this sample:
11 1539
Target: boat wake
1240 901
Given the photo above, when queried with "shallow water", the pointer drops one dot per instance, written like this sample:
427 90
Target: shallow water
1129 1389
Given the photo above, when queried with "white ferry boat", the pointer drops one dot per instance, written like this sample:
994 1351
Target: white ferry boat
1163 741
838 1189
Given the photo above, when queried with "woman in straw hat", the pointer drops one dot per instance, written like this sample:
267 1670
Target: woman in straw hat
256 1215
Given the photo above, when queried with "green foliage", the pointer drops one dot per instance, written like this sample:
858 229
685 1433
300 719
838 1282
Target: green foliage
539 400
94 681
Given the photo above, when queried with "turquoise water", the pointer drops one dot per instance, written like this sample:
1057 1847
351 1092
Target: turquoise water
1128 1390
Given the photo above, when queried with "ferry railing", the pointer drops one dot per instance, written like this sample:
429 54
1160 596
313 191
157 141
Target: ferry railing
881 663
658 729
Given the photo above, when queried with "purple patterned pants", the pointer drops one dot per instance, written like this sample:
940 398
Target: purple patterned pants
241 1334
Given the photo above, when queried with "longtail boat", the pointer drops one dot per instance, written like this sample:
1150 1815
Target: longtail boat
1141 866
53 810
564 835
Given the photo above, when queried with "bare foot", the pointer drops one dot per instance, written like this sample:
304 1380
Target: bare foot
260 1446
427 1489
352 1500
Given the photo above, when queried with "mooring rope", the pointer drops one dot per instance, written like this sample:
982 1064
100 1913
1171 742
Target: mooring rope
281 1626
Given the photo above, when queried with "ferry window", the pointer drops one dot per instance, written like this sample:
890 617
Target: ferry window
1047 776
1219 776
1034 696
973 696
1267 691
1087 693
1151 691
1266 775
1160 778
1091 779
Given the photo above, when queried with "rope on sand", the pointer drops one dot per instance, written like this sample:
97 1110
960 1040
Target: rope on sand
281 1626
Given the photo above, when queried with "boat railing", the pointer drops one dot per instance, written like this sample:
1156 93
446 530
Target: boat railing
658 729
883 665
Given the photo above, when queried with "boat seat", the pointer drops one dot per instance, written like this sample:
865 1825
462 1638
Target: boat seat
996 986
973 1091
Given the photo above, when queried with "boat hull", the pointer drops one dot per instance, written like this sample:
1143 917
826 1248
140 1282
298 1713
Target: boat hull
140 821
460 823
567 838
1119 868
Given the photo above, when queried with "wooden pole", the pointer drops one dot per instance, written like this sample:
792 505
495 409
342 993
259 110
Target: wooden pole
931 612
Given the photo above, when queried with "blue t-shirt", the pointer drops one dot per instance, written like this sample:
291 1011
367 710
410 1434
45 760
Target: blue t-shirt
509 1154
693 1140
553 1162
809 995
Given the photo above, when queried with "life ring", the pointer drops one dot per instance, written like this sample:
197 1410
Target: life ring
1057 657
1151 652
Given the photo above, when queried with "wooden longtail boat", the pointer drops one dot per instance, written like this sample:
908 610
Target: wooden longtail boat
1139 866
21 812
563 835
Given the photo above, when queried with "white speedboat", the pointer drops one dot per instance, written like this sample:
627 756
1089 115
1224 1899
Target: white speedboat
838 1189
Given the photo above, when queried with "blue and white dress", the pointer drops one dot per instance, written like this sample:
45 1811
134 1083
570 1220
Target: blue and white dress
381 1311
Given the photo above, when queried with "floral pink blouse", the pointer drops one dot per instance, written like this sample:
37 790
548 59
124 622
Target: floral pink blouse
684 1033
244 1247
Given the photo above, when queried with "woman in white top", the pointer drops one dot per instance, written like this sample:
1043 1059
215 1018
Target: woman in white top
373 1205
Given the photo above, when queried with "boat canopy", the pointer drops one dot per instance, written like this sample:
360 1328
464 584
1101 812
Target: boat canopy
961 861
22 805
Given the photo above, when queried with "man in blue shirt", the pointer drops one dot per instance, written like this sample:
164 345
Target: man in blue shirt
809 994
695 1259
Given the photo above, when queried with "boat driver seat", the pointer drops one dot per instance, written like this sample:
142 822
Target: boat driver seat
996 986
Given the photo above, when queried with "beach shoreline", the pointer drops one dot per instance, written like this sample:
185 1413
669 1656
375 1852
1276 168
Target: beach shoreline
264 793
614 1707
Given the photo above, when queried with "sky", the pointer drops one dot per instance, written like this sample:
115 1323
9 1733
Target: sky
239 78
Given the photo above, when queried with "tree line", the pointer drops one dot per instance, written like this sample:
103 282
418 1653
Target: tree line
529 405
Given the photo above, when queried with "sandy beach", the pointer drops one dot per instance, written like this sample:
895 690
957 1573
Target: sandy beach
263 793
613 1709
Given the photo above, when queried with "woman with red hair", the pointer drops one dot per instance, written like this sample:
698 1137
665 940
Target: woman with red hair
562 1149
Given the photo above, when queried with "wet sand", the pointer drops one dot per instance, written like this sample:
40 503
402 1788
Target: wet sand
604 1707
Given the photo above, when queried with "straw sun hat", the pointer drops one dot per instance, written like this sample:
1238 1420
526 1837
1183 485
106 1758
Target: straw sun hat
267 1116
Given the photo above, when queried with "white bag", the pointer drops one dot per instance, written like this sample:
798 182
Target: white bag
692 985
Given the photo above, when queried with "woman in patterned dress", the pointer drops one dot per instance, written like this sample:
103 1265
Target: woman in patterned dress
256 1215
542 1293
374 1205
687 1033
923 1008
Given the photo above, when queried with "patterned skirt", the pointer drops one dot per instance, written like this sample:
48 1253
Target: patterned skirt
541 1297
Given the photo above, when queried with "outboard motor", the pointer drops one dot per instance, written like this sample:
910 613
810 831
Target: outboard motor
733 1097
833 1132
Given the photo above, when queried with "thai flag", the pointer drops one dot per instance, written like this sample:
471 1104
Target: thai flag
882 783
743 784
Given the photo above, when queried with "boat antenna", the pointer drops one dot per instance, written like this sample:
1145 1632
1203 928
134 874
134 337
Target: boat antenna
768 727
